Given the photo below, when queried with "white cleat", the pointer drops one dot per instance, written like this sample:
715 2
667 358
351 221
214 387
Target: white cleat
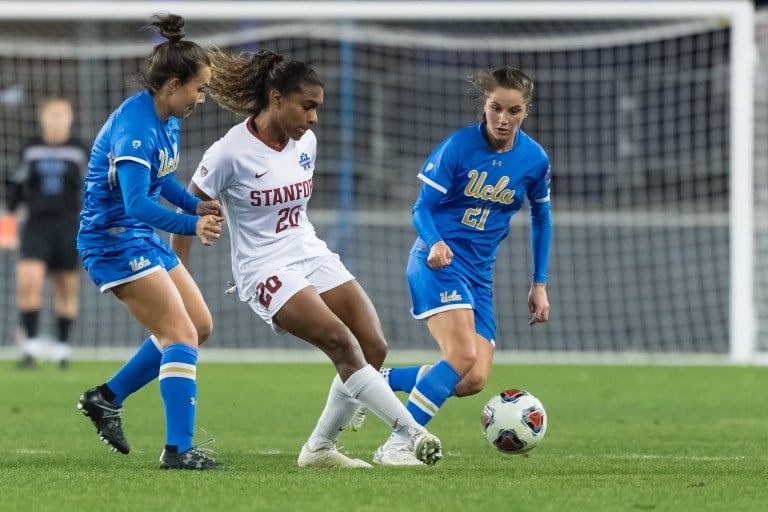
328 458
356 422
395 454
426 447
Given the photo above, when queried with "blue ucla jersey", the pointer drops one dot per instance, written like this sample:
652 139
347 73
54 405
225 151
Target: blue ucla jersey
135 133
482 189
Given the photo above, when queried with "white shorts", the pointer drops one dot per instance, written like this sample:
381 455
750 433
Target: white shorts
276 287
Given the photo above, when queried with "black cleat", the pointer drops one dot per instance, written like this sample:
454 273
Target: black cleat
194 458
106 417
27 362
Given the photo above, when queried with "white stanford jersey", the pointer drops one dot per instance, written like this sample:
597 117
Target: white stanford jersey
265 194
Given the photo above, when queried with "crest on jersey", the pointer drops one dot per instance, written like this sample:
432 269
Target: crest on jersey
136 144
429 167
203 171
305 161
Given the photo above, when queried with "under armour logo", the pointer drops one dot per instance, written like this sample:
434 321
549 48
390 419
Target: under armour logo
496 162
192 401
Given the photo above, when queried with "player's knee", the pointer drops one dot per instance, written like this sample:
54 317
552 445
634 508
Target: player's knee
375 351
184 332
203 333
463 360
471 385
204 329
337 341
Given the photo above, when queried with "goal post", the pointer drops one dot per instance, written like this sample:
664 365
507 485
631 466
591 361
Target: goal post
393 58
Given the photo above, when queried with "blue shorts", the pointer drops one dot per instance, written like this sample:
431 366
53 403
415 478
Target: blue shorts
127 261
435 291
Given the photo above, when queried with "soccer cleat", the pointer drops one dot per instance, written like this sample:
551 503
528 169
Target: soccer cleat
328 458
356 421
419 449
27 362
425 446
194 458
106 417
60 353
395 454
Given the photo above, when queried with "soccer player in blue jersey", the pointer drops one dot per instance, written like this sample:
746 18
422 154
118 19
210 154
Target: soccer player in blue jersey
472 183
132 163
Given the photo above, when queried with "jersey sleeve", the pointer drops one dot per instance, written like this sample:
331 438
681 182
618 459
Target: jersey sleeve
134 185
440 167
540 189
173 191
215 170
131 140
541 223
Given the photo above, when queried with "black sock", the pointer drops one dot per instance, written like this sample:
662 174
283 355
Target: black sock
30 320
172 449
63 324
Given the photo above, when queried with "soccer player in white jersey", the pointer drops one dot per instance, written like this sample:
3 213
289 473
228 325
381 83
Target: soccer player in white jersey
262 171
132 163
472 183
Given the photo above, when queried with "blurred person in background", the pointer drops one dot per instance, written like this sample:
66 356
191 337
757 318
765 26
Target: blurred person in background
49 182
472 184
262 170
132 164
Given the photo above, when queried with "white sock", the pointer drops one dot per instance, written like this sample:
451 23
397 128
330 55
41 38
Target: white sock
60 351
368 386
34 347
339 409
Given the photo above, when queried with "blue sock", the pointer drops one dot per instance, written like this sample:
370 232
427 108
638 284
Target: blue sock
179 390
431 391
140 370
403 379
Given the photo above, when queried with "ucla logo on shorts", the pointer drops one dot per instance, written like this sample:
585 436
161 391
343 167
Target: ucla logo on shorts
449 297
138 264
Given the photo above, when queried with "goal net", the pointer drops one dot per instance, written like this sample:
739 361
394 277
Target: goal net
651 186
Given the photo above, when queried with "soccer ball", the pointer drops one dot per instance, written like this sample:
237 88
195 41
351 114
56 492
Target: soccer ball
514 421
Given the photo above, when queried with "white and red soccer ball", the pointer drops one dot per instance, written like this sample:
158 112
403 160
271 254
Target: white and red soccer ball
514 421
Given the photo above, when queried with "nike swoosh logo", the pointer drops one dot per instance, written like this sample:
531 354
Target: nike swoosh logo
260 175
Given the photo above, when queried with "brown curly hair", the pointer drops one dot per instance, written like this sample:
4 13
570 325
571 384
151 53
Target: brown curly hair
241 82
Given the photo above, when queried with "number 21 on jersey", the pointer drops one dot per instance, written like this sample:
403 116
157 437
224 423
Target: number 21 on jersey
475 217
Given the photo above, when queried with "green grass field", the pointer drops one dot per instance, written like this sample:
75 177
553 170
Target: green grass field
620 438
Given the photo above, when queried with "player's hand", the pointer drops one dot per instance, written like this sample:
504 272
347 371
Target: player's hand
538 303
209 228
212 207
440 256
